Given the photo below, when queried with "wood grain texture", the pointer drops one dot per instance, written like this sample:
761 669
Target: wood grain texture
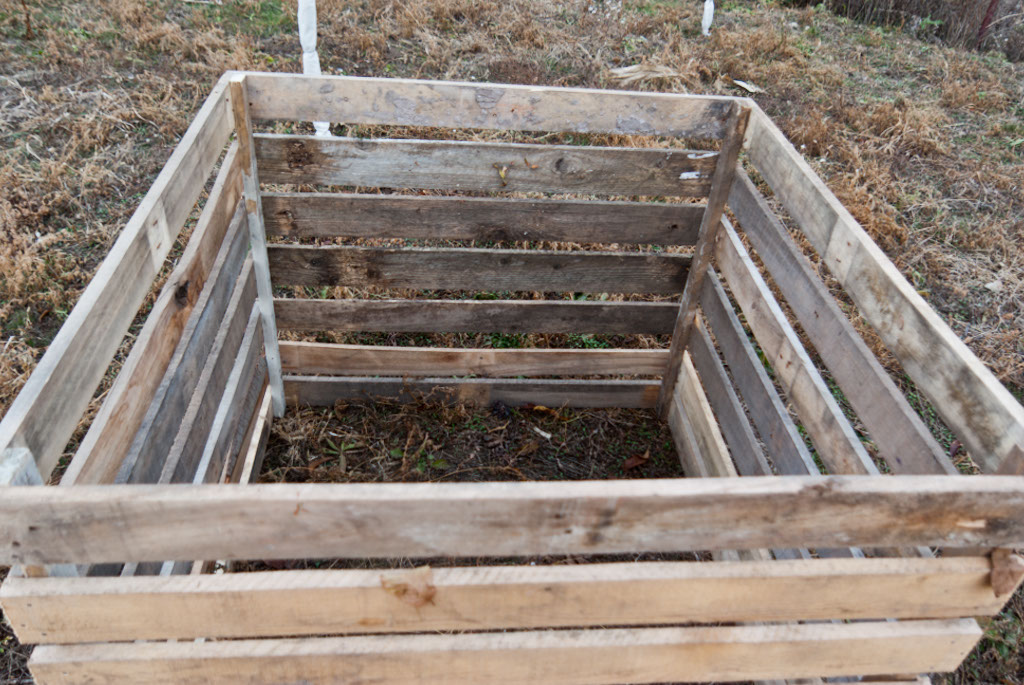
145 457
574 657
326 390
475 316
768 412
111 432
903 440
478 269
238 407
44 414
187 449
257 236
837 444
747 454
275 603
968 397
324 215
495 167
725 171
365 360
295 521
712 453
249 463
406 102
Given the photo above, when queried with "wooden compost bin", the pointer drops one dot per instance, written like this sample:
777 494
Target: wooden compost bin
852 573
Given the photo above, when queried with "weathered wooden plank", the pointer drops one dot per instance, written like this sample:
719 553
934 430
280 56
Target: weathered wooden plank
837 444
472 316
250 462
574 657
968 397
478 269
144 459
365 360
713 454
257 236
324 215
238 406
746 452
187 449
267 604
406 102
326 390
290 521
725 170
769 414
111 432
903 440
476 166
49 406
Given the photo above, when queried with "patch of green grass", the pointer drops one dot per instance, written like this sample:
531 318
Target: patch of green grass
262 18
506 340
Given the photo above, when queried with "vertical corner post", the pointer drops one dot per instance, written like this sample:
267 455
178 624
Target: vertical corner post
721 184
257 237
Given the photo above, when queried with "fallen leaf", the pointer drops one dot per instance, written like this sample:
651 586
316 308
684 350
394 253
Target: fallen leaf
415 587
528 448
749 87
637 460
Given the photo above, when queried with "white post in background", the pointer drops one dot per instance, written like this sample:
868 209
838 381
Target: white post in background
705 24
310 58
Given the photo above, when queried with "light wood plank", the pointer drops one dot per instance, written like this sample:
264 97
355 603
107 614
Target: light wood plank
257 236
473 316
238 407
968 397
581 657
476 166
478 269
275 603
145 457
111 432
712 450
182 460
725 170
767 410
736 429
44 414
406 102
156 522
325 215
365 360
250 463
837 444
901 436
326 390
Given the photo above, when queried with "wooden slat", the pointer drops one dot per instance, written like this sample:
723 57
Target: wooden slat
476 166
111 432
478 269
968 397
769 414
406 102
473 316
185 453
725 170
144 459
576 657
326 390
274 603
238 407
257 236
324 215
837 444
712 452
901 436
250 462
736 429
364 360
290 521
49 406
